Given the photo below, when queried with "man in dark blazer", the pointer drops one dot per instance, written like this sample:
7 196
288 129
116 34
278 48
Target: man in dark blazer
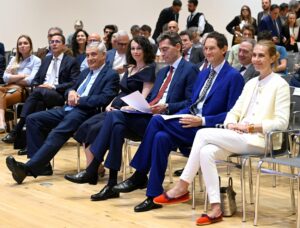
165 97
265 4
166 15
272 23
95 89
190 53
57 73
214 94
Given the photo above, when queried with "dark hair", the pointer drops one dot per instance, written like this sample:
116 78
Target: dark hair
250 28
146 28
172 36
219 37
274 6
283 6
63 39
111 27
264 35
186 32
177 3
75 46
195 2
146 47
135 28
19 56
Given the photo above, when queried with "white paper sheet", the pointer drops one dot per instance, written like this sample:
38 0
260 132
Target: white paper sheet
137 101
168 117
296 92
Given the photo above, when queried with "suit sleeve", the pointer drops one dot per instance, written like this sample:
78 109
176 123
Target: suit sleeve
74 72
108 92
232 24
235 88
190 81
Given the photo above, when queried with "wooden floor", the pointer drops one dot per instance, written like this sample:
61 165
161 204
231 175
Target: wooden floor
54 202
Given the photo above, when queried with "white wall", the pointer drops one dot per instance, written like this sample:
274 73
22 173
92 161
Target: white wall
34 17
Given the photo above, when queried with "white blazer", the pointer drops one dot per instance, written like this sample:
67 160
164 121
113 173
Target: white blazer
273 108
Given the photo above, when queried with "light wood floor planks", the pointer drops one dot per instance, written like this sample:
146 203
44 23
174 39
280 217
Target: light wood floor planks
54 202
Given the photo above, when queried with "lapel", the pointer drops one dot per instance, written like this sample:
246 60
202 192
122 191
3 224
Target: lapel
176 77
159 81
201 84
62 64
99 78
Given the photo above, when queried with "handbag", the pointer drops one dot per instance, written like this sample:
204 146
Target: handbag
228 203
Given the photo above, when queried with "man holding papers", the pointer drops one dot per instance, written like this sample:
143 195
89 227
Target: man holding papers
171 92
214 94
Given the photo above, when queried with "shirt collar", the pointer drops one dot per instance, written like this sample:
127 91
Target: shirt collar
219 67
60 57
176 63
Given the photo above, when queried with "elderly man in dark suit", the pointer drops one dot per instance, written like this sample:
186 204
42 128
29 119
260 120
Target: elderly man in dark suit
245 59
95 89
170 93
57 73
214 94
166 15
190 53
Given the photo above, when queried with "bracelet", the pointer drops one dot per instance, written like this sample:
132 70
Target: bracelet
251 128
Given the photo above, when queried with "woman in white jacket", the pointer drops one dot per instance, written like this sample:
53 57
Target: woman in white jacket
263 106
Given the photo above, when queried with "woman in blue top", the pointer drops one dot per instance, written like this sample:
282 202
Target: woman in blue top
18 74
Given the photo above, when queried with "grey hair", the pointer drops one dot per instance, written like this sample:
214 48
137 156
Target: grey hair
60 31
293 4
250 41
99 45
122 33
194 30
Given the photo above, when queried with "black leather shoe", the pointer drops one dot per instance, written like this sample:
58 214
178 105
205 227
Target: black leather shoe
82 178
128 186
47 171
147 205
9 138
22 151
18 169
178 172
104 194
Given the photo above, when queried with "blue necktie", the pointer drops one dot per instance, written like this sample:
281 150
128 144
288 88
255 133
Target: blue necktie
81 88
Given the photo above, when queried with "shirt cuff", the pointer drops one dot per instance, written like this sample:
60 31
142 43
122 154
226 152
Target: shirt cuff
203 119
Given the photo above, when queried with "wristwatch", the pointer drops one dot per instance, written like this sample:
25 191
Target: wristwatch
251 128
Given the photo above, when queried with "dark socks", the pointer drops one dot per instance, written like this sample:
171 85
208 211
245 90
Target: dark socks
139 177
92 169
19 126
113 178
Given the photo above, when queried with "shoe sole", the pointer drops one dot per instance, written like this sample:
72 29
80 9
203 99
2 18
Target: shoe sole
12 169
173 202
208 223
152 208
73 181
106 198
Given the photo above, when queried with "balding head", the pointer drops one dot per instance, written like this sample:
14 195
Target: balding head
94 37
173 26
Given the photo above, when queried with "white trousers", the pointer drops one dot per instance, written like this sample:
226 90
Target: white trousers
211 144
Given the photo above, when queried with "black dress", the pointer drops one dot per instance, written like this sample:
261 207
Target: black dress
88 131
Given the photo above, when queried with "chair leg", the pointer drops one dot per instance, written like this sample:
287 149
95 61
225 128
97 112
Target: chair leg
274 177
124 160
200 180
205 201
52 163
257 192
298 211
250 180
292 192
78 157
129 158
193 195
244 161
170 168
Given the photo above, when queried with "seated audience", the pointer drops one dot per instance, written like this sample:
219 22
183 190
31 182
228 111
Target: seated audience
139 76
135 30
145 31
57 73
235 27
263 106
18 74
170 93
290 32
78 25
173 26
212 99
93 37
195 37
107 32
47 131
79 43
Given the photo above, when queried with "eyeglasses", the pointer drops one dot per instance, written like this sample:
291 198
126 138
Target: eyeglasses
55 42
122 44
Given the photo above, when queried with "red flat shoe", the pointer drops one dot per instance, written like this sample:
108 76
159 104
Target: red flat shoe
164 199
206 220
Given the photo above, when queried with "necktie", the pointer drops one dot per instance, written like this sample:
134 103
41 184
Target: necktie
276 27
242 69
191 17
163 87
54 71
81 89
207 85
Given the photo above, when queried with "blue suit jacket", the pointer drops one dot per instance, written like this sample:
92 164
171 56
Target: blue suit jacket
67 76
221 97
180 89
110 57
104 89
267 24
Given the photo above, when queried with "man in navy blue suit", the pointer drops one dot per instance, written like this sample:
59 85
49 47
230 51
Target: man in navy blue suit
214 94
272 23
171 92
47 131
57 73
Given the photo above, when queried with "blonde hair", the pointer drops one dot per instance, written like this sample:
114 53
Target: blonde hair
272 51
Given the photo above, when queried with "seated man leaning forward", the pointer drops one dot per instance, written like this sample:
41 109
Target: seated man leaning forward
214 94
95 88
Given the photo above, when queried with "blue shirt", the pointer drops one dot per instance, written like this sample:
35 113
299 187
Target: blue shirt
282 55
28 66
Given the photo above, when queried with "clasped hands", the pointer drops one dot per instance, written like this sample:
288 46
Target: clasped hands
238 127
73 98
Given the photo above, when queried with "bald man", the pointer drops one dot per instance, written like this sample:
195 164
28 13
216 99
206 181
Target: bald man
93 37
173 26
